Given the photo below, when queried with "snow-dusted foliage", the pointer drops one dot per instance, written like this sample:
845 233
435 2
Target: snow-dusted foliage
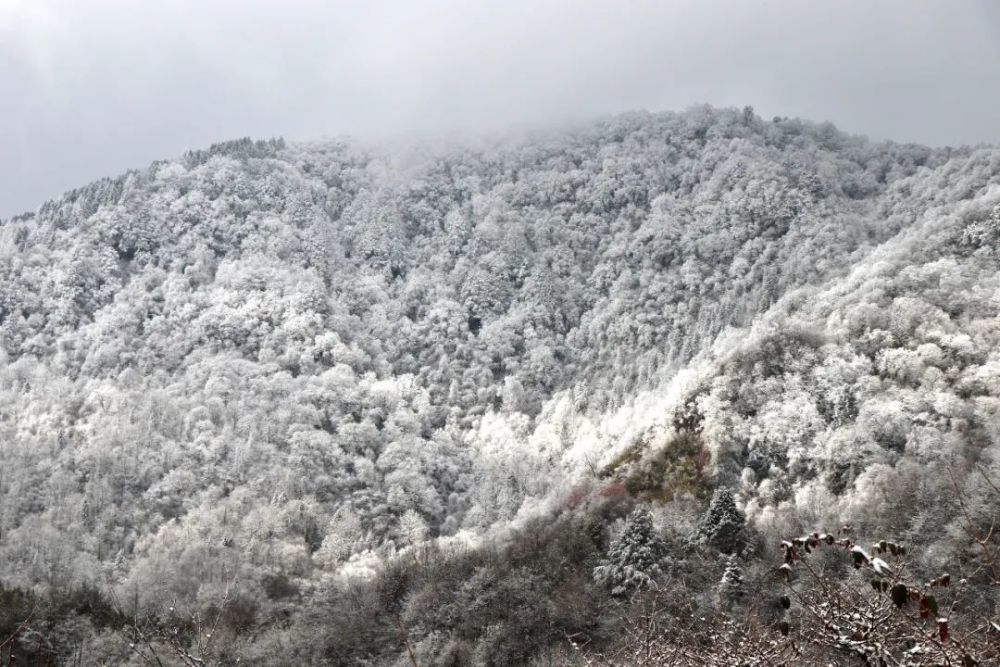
293 365
723 526
635 557
732 585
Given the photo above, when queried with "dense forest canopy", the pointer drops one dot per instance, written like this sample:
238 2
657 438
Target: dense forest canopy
291 365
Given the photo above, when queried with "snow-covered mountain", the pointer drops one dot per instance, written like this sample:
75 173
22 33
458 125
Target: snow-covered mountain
252 377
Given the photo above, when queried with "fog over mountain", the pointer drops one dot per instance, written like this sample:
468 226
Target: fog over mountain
358 403
92 88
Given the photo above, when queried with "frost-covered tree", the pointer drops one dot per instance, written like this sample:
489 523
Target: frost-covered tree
732 587
635 558
412 527
723 525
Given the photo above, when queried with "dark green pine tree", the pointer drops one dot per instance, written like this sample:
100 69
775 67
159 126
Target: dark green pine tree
724 525
635 556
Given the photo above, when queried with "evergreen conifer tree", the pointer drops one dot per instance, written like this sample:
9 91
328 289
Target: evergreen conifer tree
731 586
635 556
724 525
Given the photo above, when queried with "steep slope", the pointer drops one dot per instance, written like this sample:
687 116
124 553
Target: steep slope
262 360
867 399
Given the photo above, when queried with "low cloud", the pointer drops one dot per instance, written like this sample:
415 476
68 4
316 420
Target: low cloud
90 89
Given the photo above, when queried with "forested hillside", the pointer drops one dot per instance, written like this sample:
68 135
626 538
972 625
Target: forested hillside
339 403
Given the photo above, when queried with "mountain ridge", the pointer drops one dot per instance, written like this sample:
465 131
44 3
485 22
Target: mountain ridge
283 360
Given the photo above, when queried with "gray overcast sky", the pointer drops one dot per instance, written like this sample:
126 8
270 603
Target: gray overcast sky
89 88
